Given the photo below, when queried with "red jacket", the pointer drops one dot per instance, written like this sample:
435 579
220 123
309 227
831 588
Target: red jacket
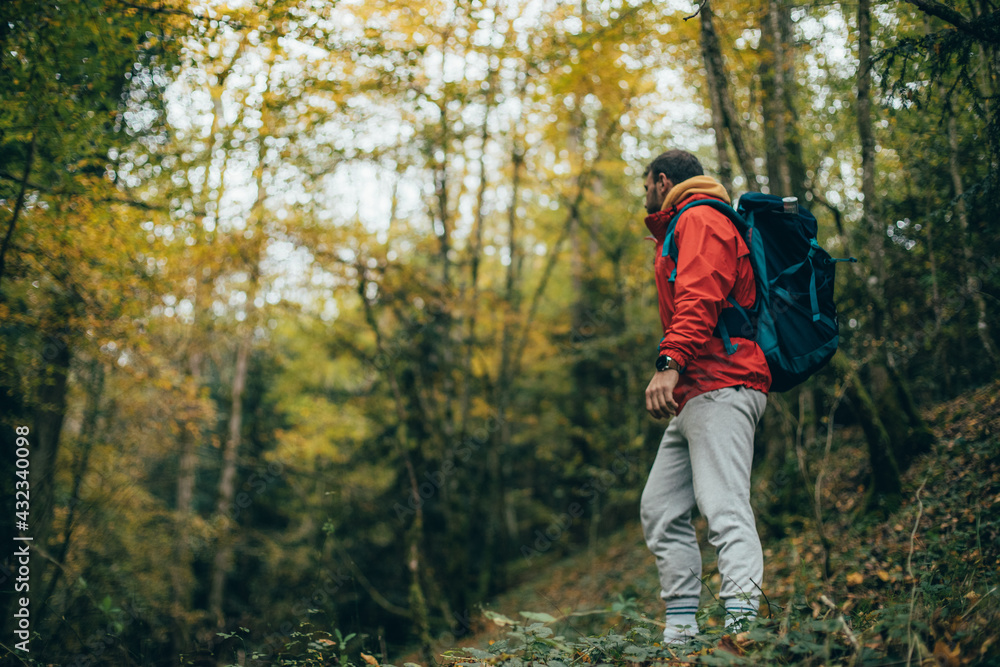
712 263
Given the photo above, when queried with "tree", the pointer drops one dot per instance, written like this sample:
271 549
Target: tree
66 105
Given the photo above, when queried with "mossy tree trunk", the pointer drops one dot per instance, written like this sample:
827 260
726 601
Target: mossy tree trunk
885 488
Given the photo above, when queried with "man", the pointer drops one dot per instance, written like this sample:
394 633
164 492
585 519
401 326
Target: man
715 400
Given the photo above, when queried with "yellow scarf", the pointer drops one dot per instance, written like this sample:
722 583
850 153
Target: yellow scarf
698 185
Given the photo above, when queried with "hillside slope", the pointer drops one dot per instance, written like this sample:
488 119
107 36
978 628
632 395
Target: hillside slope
919 587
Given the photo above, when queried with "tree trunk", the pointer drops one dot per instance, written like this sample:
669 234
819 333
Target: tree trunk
460 528
876 238
441 193
493 573
972 282
892 405
790 93
715 104
917 438
712 54
772 78
786 171
222 563
415 533
934 343
885 488
49 415
189 448
989 75
417 600
88 434
807 416
180 568
780 429
18 204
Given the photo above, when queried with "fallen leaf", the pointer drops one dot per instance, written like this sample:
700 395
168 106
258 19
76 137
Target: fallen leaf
883 575
369 659
946 656
499 619
729 645
855 579
540 617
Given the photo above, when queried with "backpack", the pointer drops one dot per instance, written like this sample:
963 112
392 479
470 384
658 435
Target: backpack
794 318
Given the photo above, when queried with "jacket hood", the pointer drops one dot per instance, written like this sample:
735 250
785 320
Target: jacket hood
698 185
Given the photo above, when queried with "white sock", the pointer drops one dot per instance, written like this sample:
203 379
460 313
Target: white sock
740 610
681 622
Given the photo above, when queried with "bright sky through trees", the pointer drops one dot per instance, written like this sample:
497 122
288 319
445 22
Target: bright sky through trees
335 141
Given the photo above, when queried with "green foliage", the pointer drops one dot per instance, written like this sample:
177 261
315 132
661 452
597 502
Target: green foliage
304 647
421 222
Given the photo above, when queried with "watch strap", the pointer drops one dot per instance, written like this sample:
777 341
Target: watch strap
666 362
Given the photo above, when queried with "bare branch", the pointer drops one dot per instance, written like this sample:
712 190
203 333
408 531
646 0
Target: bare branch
366 584
985 28
19 204
159 10
697 11
17 179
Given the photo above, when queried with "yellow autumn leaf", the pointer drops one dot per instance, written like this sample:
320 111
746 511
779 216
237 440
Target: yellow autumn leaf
369 659
855 579
882 574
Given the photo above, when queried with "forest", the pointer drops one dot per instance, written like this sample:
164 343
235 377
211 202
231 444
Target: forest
325 325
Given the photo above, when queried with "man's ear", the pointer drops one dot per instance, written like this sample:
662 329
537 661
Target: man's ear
664 183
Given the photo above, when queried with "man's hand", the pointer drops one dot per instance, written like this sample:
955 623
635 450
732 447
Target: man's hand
660 401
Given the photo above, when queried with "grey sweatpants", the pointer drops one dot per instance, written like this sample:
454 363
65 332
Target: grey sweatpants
705 458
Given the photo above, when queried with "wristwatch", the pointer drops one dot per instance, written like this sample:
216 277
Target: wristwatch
664 362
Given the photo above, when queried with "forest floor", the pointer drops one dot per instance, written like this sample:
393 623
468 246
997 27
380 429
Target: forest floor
917 587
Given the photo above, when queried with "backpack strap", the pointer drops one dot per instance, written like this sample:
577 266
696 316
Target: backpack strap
722 330
718 205
670 246
813 299
736 319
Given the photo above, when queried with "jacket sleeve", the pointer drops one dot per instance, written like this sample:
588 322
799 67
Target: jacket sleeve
707 253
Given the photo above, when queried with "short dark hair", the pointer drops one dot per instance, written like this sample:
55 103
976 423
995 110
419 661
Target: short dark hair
676 165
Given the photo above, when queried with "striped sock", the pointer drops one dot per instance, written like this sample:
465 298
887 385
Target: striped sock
681 622
739 610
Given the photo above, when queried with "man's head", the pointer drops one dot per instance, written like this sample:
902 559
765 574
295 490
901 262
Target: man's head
666 171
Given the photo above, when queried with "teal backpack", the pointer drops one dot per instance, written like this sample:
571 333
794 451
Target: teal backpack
794 318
